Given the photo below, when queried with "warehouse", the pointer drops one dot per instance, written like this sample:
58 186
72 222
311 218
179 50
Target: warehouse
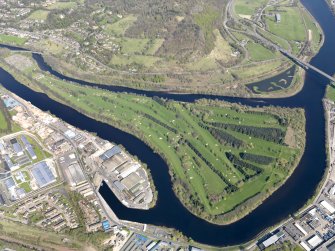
327 206
9 183
16 147
131 180
314 241
28 147
110 153
74 174
42 174
132 167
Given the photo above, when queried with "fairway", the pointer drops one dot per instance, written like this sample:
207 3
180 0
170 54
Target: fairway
220 154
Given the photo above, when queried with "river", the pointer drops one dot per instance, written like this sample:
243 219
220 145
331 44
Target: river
169 211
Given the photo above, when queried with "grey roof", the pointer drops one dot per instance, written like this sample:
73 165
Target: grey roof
42 173
17 147
25 141
31 151
2 201
8 162
110 153
9 183
20 191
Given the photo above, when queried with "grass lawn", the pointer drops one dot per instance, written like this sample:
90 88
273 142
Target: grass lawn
25 186
154 45
39 15
291 26
9 39
259 53
40 154
247 7
132 45
146 61
330 93
183 133
3 121
119 28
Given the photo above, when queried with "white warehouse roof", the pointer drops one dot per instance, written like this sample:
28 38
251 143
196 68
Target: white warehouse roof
270 241
327 206
305 246
314 241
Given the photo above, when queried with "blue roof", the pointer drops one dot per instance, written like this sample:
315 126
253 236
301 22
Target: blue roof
31 152
25 141
17 147
42 173
9 183
10 102
110 153
106 225
8 161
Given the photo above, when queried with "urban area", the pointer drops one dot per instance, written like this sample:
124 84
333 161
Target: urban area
45 153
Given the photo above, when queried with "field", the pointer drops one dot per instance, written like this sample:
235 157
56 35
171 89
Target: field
146 61
39 15
259 53
221 154
8 39
119 28
291 26
247 7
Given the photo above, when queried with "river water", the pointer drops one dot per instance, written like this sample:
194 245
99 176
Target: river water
169 211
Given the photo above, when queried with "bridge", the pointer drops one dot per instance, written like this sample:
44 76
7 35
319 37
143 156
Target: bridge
305 65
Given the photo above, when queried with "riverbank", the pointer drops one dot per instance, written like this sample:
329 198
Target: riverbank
245 202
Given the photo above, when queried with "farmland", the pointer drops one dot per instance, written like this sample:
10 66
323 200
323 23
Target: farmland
224 158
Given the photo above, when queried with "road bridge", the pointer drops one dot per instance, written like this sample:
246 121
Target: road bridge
306 65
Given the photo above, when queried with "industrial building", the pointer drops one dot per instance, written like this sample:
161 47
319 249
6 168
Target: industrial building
110 153
327 206
42 174
16 147
74 174
271 240
314 241
28 147
9 102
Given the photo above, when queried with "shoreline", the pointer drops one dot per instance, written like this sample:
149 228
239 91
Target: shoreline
224 223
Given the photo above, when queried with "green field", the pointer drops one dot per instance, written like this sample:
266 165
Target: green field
39 15
25 186
259 53
3 121
247 7
8 39
120 27
220 154
146 61
291 26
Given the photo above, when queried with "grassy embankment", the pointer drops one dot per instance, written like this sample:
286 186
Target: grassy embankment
223 157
